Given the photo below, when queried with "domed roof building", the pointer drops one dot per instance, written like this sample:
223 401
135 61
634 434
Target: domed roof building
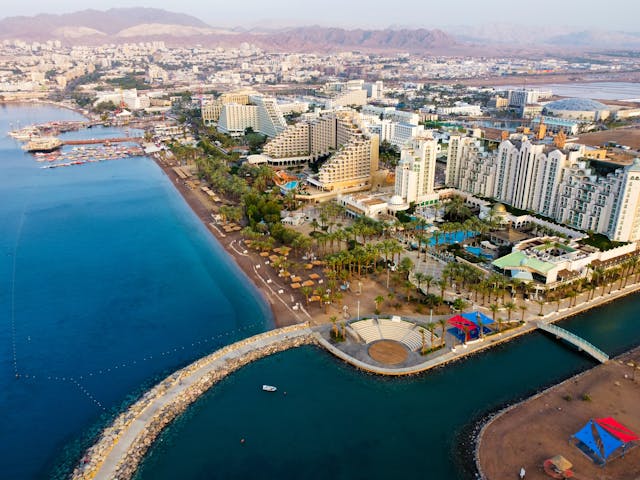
578 109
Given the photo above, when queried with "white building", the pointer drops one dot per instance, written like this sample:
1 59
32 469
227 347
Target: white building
263 116
415 173
557 183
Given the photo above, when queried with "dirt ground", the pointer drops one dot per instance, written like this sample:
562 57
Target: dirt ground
541 427
624 136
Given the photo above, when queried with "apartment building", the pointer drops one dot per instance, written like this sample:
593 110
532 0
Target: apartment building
555 182
415 173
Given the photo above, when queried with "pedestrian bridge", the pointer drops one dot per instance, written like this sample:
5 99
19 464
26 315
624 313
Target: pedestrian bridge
575 340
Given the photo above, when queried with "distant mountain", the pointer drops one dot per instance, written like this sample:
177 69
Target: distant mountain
143 24
91 22
543 36
323 38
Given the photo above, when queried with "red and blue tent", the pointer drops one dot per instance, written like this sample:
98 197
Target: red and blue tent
466 325
601 437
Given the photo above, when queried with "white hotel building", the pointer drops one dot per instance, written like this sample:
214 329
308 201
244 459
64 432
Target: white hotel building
556 183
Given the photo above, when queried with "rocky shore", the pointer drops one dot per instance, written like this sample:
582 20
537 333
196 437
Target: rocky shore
122 446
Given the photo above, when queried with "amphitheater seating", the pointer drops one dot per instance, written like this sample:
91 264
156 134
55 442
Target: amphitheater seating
391 329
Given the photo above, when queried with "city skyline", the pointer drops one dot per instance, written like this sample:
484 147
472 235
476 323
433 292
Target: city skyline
614 15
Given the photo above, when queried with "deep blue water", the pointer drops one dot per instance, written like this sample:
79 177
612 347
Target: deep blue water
107 282
336 422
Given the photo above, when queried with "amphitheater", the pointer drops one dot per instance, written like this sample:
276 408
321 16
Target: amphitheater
387 341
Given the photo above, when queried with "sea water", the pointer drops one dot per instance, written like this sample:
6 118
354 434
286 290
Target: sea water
108 281
339 423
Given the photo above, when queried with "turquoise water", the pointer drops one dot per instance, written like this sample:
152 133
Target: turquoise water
336 422
107 282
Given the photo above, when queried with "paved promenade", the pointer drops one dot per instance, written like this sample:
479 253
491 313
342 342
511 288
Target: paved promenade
123 445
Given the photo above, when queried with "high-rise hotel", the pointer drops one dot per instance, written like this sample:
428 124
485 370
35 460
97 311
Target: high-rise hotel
556 181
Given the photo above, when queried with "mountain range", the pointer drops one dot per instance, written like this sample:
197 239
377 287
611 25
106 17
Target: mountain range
119 25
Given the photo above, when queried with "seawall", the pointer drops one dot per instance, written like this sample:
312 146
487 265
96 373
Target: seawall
121 447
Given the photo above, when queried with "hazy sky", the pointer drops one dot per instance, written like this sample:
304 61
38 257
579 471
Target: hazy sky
607 14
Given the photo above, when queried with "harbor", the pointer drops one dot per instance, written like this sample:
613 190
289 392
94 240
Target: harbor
83 155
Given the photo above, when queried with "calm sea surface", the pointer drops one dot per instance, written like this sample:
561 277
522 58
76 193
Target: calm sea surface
107 282
104 265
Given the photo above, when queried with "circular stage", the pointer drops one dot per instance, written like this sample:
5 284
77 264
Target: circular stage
388 352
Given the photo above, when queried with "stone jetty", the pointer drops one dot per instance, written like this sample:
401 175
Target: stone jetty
121 447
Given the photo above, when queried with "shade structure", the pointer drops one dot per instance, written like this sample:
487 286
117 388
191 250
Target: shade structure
477 318
603 436
461 322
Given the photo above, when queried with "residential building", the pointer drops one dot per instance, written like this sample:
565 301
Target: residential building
415 173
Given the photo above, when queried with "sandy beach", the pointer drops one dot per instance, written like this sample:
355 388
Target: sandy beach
282 313
528 433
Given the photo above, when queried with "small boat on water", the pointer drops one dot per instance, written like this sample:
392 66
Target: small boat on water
269 388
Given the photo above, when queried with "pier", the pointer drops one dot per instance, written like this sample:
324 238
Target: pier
122 446
575 340
95 141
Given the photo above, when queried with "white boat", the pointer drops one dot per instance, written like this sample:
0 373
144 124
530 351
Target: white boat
269 388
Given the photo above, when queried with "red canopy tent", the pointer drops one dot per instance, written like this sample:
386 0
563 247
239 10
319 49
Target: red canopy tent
463 324
616 429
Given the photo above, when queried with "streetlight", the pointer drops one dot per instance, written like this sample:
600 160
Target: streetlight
358 309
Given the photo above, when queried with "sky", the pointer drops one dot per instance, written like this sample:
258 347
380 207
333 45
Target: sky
608 15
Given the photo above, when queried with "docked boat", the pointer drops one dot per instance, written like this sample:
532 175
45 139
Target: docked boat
43 144
269 388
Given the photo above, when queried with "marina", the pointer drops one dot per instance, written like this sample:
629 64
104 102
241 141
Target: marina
82 155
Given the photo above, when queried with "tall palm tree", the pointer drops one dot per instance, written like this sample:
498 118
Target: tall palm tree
510 307
431 326
442 283
443 330
523 308
494 309
378 300
306 291
334 319
424 342
428 280
541 303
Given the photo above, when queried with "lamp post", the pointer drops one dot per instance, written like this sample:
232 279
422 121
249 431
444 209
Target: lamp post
358 309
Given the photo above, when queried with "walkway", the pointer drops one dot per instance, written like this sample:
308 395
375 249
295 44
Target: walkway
123 444
575 340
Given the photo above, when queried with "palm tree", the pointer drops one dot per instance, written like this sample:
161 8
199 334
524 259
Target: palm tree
523 308
306 291
419 276
334 319
431 326
408 287
494 309
443 329
378 300
424 343
315 225
510 307
428 280
443 285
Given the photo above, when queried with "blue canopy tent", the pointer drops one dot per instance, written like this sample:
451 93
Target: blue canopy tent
601 437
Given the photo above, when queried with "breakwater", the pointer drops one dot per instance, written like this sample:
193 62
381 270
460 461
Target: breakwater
122 446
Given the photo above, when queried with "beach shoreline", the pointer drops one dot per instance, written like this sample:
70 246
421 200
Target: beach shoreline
282 313
537 427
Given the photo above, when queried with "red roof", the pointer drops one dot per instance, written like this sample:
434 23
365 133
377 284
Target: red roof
616 429
460 322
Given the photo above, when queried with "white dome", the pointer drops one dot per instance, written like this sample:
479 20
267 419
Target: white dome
396 200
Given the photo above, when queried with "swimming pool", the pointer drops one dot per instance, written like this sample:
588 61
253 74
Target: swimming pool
289 186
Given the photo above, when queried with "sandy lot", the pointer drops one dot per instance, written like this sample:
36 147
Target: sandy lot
541 427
